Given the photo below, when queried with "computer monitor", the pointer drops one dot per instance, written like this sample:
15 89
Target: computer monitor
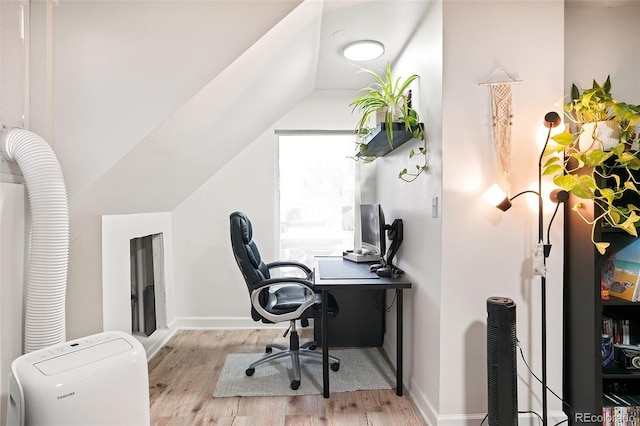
372 228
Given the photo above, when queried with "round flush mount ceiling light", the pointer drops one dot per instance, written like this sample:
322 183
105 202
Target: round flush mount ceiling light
363 50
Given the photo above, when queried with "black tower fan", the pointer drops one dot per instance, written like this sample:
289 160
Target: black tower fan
501 362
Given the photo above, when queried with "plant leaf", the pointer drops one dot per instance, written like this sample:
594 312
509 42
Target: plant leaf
615 216
629 224
608 194
602 246
631 207
563 139
607 85
551 161
554 168
565 182
595 157
629 160
584 187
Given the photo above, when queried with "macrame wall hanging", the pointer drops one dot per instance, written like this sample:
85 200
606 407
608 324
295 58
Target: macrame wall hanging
502 119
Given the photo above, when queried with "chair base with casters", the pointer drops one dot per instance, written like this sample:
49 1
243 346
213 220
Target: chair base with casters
295 351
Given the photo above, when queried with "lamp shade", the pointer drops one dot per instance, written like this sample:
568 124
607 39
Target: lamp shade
496 197
551 120
559 196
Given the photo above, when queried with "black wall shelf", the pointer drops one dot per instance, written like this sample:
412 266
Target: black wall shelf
378 144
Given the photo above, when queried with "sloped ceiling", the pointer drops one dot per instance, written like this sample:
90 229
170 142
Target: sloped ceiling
346 21
121 68
227 114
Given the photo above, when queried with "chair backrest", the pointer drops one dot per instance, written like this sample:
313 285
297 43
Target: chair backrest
247 255
245 250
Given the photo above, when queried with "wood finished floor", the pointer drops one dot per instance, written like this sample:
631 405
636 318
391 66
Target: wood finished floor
183 375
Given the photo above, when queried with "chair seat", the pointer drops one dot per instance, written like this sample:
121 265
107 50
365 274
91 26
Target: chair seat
289 298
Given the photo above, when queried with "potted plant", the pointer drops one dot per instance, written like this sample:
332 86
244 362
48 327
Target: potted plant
592 110
596 170
602 121
389 100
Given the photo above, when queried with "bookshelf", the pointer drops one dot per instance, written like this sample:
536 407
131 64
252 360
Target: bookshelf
589 388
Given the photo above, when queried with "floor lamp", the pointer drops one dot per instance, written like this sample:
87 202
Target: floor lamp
498 198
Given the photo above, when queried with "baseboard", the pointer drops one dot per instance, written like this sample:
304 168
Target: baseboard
422 403
160 338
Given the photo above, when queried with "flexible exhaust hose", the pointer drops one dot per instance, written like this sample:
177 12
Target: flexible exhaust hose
47 265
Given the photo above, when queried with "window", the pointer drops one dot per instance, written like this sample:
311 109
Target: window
317 183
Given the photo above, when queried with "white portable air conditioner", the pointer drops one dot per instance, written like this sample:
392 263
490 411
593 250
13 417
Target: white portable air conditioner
96 380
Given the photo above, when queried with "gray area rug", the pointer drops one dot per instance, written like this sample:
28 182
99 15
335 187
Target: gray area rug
360 369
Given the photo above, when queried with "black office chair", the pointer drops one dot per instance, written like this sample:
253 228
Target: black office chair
280 299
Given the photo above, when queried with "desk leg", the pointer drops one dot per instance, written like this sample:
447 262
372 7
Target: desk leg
399 342
325 343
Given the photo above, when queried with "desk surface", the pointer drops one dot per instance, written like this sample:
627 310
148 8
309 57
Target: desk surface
354 275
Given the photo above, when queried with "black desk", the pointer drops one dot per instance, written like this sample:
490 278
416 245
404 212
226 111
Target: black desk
347 274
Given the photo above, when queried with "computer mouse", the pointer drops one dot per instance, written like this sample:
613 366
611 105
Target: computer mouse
375 267
384 272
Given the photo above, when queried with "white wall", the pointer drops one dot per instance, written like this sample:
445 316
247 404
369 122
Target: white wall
485 252
12 253
589 55
13 18
420 255
13 63
13 53
122 68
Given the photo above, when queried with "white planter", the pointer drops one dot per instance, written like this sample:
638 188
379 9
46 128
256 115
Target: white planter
602 135
381 115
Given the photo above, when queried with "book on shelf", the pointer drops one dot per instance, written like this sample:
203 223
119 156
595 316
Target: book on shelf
621 273
617 328
620 410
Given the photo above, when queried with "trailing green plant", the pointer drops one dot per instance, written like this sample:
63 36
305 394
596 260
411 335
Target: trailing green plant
604 177
394 96
607 177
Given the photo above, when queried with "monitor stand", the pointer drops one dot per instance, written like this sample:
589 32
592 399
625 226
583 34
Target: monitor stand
395 234
360 258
